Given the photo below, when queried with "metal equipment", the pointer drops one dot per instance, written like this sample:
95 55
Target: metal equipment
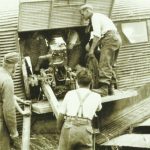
58 75
26 129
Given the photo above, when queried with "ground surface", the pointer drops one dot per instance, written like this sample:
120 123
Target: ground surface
44 135
44 142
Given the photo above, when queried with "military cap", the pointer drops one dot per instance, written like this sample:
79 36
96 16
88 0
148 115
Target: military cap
86 6
11 58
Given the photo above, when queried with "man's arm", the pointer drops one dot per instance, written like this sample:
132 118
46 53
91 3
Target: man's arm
100 103
96 32
9 107
62 112
94 44
60 121
16 100
18 107
72 39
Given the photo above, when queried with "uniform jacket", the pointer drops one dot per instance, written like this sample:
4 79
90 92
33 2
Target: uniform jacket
8 125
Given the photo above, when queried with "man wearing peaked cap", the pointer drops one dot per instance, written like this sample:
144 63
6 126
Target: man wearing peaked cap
7 102
106 37
11 58
10 62
86 6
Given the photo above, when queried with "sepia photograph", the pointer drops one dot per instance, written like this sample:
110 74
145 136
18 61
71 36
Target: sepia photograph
74 74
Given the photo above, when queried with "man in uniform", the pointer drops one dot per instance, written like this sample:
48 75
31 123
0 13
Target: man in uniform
36 47
8 124
105 36
78 107
74 48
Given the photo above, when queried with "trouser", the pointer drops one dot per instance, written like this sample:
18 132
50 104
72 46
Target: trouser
4 136
76 136
110 45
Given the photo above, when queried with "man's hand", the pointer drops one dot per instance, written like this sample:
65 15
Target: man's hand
94 44
60 122
16 143
27 102
26 113
87 47
70 46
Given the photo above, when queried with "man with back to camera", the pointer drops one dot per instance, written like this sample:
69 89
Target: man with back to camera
8 124
105 36
78 108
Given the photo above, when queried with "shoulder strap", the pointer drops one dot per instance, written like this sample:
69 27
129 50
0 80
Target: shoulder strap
82 100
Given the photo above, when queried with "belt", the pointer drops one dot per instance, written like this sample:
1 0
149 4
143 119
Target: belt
77 119
110 31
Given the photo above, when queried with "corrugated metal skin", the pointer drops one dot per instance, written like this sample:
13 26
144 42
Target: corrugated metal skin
68 16
8 43
148 26
65 16
134 59
34 15
134 65
48 14
130 9
102 6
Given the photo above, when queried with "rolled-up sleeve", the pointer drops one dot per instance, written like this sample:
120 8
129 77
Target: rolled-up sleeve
9 106
99 104
63 107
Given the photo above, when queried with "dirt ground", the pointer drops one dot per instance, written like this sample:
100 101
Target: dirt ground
44 135
44 142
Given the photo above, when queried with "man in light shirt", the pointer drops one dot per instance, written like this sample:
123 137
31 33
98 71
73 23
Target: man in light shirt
78 107
105 36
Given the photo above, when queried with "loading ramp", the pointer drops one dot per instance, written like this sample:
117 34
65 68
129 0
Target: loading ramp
130 140
42 107
123 121
142 128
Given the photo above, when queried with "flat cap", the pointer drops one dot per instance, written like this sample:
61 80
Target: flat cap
11 58
86 6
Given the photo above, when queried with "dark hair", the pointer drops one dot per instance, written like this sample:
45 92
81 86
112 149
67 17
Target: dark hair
84 77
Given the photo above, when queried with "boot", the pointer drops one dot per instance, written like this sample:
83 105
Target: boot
103 90
111 89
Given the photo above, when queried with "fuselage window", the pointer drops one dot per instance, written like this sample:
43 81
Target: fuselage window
70 1
135 32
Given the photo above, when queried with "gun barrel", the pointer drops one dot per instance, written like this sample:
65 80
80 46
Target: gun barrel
48 56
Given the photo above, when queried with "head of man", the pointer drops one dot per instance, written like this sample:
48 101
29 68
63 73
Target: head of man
10 62
84 78
86 11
